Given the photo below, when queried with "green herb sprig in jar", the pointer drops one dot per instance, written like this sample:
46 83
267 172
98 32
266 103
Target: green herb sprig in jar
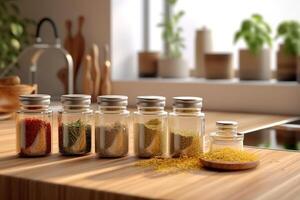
75 125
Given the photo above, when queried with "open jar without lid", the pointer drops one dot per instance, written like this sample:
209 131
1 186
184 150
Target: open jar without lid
112 126
75 124
186 127
33 126
226 136
150 127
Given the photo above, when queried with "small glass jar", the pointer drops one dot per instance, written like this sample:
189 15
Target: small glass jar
226 136
186 127
150 127
75 122
112 126
33 126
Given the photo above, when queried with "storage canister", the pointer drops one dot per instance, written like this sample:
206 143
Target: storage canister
112 126
150 126
186 127
75 122
226 136
33 126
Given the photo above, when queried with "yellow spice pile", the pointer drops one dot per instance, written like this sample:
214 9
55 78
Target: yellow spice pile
170 164
230 155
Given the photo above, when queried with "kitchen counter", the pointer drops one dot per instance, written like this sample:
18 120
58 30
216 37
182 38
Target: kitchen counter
89 178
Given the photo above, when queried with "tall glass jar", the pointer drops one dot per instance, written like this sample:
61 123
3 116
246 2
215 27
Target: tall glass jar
186 127
150 127
226 136
75 122
33 126
112 126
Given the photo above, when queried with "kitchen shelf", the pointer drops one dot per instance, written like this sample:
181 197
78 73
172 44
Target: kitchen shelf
272 96
234 81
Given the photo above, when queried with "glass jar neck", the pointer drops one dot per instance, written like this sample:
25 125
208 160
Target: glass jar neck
34 108
69 108
150 110
227 132
191 111
112 109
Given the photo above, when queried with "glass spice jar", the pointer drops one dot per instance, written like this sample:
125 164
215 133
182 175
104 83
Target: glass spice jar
226 136
186 127
75 125
112 126
33 126
150 127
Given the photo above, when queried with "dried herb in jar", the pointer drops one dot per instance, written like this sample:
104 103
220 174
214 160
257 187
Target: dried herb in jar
148 138
184 144
112 140
35 137
75 138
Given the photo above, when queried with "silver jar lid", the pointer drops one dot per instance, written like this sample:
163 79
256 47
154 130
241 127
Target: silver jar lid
227 129
151 101
76 100
35 99
187 102
112 100
227 124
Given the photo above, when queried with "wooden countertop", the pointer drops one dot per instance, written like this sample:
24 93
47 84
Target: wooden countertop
89 178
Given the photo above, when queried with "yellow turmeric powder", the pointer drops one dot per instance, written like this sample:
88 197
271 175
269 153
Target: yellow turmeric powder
230 155
170 165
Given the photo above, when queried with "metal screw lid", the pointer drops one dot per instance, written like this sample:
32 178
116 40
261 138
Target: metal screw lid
112 100
35 99
76 100
187 102
227 124
151 101
226 128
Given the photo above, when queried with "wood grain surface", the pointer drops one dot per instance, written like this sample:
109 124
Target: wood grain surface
90 178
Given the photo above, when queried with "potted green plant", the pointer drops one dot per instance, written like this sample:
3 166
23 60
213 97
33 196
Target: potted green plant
289 32
172 65
254 62
14 35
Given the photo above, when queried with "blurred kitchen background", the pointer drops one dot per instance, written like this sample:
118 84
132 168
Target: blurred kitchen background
183 47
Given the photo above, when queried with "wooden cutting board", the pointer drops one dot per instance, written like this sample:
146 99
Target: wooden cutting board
90 178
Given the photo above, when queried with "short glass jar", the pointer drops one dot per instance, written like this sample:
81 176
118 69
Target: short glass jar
150 127
226 136
186 127
112 126
75 125
33 126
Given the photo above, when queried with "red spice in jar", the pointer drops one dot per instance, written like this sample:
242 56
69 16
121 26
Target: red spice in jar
37 136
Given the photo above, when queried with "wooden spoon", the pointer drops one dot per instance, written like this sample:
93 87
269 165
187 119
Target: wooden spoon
87 78
79 47
106 85
96 76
